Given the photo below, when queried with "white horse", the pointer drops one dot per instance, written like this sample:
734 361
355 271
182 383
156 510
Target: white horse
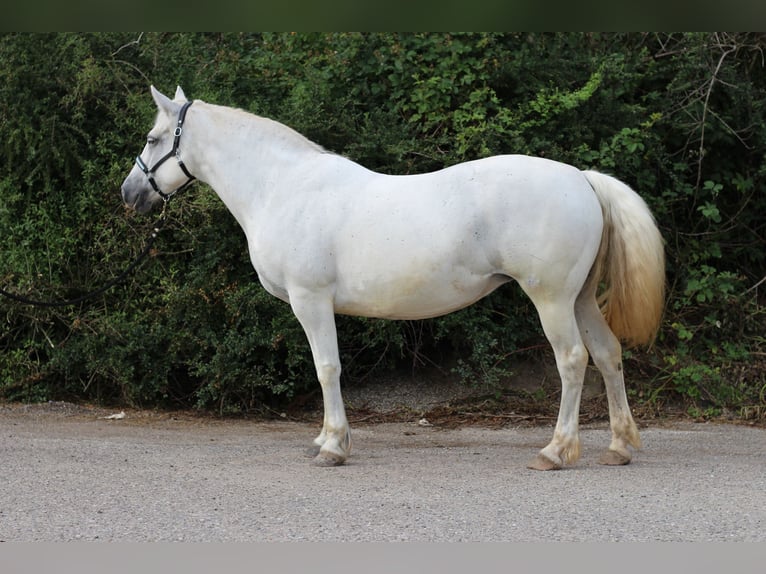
329 236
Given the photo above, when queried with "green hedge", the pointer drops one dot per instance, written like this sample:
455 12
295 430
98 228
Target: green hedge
680 117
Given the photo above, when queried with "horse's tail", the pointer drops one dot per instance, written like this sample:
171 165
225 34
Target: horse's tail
630 263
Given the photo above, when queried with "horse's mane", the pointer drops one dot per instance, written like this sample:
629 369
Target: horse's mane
286 132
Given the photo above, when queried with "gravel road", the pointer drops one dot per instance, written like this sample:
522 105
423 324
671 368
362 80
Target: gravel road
68 474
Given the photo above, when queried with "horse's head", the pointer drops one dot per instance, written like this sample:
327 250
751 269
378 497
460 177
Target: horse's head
153 178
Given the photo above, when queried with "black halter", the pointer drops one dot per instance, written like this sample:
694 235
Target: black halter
173 152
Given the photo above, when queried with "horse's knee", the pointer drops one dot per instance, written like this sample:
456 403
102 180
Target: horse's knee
328 373
571 358
576 357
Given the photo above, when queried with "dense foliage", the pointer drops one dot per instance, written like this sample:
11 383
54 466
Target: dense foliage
680 117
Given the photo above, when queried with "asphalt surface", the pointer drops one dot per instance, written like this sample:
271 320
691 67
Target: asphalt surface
72 475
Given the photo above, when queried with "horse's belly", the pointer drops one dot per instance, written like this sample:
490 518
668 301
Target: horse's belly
414 297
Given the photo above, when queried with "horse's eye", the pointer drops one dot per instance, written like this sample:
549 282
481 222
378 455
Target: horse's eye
151 140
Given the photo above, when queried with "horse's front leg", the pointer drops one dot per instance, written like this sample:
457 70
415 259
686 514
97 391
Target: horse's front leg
316 315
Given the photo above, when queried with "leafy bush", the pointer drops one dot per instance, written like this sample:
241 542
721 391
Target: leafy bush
680 117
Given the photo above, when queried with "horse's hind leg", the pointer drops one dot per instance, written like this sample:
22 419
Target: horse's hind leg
317 317
558 321
607 355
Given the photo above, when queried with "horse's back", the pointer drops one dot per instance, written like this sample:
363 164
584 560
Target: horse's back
501 212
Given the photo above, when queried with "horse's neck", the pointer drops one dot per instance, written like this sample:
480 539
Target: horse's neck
241 155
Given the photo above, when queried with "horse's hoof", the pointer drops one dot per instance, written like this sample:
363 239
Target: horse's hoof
541 462
328 459
613 458
313 450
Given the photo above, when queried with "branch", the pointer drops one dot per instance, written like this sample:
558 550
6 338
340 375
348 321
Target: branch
131 43
713 80
756 285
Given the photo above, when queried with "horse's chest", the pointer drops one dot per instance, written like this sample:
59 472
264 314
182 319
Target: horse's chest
270 275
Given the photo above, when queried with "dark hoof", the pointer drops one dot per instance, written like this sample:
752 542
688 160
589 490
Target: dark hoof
541 462
313 450
613 458
327 460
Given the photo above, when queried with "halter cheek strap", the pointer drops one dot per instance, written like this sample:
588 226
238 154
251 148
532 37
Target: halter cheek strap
149 172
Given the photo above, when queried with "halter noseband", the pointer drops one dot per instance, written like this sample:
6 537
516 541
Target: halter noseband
173 152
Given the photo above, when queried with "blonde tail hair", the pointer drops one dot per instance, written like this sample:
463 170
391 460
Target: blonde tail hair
630 264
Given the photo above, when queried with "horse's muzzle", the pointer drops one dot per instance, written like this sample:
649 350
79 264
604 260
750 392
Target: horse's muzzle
137 195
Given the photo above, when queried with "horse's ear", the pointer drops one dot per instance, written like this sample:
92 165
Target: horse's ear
163 102
180 96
